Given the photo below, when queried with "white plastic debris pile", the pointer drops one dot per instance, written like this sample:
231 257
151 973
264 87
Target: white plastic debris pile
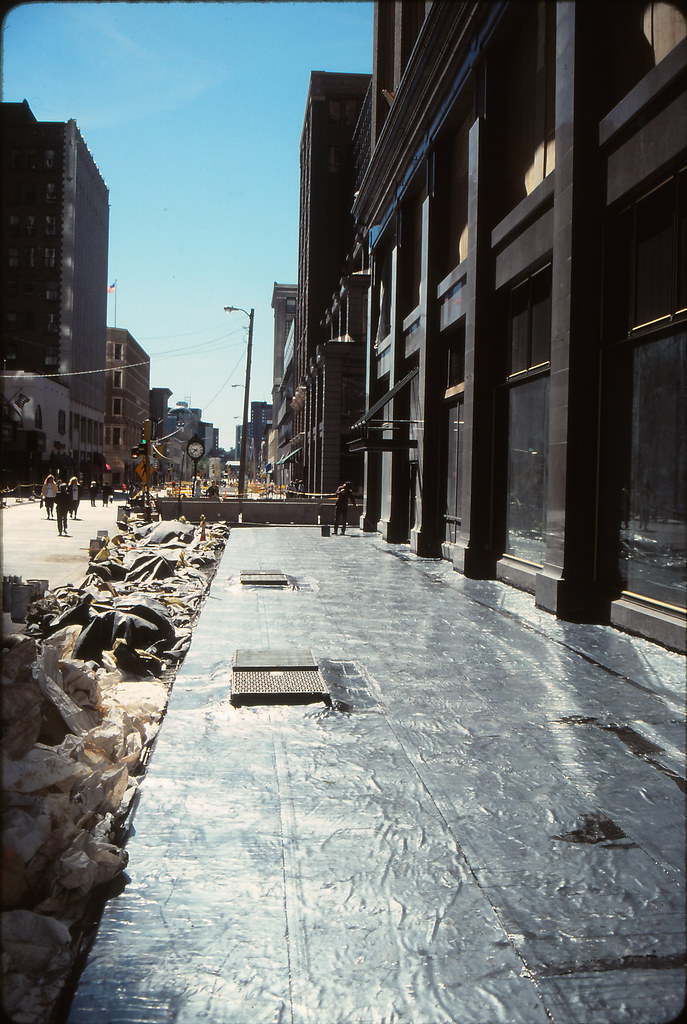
84 691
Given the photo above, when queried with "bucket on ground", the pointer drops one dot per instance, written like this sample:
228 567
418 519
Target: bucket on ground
20 599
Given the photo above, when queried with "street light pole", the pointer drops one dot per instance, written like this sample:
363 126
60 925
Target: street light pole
244 429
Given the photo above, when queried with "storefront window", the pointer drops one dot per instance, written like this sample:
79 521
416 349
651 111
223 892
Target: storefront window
644 470
642 538
454 451
527 441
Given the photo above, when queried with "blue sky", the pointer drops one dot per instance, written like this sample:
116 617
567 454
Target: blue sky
193 113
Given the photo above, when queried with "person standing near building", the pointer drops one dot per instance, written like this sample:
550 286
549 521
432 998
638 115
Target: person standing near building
63 503
48 493
344 494
93 492
74 496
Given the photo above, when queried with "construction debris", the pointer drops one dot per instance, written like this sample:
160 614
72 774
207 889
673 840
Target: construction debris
84 691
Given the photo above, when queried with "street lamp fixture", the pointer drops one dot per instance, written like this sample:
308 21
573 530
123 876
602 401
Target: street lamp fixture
244 430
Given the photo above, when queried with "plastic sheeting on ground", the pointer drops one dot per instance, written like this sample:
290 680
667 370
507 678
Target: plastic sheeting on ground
84 691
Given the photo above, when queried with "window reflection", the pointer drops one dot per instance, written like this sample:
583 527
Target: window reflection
527 436
644 478
454 450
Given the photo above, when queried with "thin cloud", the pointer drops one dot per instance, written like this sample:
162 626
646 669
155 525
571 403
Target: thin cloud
127 77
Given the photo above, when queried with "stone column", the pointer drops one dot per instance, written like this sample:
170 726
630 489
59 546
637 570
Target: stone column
473 554
393 524
565 583
426 534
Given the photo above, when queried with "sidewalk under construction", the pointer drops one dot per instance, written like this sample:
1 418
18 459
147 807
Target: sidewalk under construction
469 812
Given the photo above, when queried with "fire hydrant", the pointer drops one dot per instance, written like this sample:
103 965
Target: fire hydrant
202 527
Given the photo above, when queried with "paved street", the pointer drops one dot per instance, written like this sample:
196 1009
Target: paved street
488 827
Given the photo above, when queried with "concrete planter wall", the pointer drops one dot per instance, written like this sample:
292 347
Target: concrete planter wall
269 512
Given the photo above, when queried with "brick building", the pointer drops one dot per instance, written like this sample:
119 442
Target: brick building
127 404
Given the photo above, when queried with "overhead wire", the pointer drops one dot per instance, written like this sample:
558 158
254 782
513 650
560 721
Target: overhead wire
169 354
231 374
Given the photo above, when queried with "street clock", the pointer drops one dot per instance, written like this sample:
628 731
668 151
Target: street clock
195 449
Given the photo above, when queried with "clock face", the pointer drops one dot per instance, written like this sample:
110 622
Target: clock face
195 449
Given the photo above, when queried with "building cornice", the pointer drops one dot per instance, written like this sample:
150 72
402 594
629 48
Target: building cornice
445 54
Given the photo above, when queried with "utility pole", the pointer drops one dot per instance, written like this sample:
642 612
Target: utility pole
146 466
244 429
246 391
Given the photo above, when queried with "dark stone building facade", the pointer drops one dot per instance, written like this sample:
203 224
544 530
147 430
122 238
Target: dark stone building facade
525 205
328 360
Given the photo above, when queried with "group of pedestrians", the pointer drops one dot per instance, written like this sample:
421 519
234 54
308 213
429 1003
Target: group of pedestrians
61 500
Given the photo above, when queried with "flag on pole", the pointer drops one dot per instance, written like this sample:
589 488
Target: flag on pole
111 287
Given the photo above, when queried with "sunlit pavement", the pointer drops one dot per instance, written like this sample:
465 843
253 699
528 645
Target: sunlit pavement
33 549
494 830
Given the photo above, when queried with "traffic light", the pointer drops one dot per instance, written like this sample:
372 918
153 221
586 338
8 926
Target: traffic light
142 450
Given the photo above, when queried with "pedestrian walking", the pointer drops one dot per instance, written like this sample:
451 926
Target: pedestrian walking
74 496
48 494
107 493
93 492
344 494
62 505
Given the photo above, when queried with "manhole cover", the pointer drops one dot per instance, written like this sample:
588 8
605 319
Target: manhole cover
276 677
263 578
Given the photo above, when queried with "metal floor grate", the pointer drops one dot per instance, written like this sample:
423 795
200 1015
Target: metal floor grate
263 578
276 677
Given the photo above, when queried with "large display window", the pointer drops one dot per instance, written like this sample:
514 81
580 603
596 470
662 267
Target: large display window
528 406
453 428
527 394
642 535
643 487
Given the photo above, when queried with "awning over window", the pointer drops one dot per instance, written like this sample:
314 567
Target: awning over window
381 444
386 398
291 455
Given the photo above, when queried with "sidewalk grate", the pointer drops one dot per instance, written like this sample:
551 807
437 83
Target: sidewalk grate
263 578
276 677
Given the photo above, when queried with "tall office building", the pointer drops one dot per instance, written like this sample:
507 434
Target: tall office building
258 435
284 306
55 219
